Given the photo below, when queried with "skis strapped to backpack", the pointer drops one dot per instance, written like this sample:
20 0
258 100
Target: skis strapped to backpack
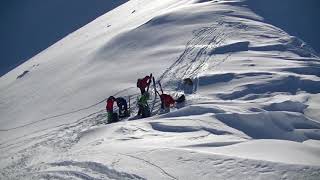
155 94
151 77
160 87
129 109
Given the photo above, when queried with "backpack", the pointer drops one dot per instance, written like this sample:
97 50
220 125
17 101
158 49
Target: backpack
181 99
139 83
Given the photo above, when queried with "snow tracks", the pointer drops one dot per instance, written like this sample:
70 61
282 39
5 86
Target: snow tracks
198 52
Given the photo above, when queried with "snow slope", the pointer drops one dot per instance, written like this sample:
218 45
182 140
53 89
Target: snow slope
254 115
31 26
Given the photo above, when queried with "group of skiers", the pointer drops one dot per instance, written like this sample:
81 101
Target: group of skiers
123 109
143 84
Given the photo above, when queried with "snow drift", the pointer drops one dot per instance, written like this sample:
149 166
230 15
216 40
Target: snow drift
254 115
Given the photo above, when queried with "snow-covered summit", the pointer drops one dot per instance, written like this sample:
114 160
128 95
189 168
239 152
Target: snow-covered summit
254 115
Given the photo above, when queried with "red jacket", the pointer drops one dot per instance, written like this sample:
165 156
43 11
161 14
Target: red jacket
143 83
109 106
167 100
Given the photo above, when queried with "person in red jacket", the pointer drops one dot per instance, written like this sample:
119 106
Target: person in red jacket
142 84
167 101
112 117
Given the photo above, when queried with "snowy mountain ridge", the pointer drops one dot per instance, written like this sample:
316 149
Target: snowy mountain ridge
254 115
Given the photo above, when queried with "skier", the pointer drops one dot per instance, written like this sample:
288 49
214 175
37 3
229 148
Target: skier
112 117
187 86
123 107
143 106
166 102
142 84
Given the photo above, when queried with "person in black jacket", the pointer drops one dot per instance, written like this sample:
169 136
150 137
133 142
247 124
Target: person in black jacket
123 107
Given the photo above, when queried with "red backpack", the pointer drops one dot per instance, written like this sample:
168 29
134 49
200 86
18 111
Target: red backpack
167 100
143 83
109 106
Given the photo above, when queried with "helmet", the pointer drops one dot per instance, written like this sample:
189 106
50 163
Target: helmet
111 98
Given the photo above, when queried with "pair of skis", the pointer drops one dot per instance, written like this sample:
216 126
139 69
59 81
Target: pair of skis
152 80
156 92
154 84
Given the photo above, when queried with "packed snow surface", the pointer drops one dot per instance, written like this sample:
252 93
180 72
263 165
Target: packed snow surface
255 112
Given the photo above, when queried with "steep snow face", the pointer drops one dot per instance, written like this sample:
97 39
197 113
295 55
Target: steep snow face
256 88
90 64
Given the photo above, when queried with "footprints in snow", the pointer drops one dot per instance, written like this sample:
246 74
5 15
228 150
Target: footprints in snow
27 71
198 51
76 169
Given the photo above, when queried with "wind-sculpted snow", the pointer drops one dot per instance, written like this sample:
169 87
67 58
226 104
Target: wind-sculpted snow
254 112
273 125
289 84
291 106
193 110
311 69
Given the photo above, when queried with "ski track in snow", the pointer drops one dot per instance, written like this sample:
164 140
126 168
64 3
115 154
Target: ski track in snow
196 54
152 164
67 113
82 170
